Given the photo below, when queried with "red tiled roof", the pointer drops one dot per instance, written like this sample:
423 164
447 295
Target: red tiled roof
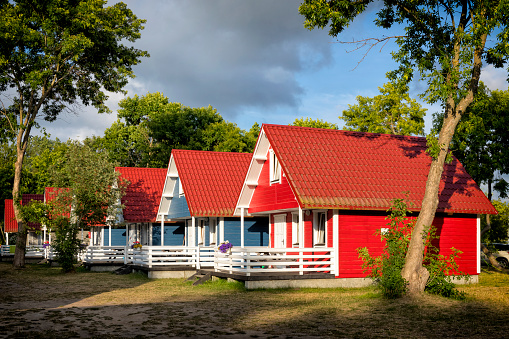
9 218
25 200
143 193
211 180
354 170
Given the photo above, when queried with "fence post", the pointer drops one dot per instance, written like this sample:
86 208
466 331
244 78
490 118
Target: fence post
301 262
198 257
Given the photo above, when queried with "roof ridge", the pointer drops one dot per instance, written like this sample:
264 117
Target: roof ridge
209 152
341 131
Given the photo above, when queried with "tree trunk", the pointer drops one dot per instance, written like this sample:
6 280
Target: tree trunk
21 241
414 272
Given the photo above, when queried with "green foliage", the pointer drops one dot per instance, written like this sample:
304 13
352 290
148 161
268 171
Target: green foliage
92 186
441 268
54 52
391 112
386 268
149 127
434 148
498 232
481 141
318 123
66 243
89 194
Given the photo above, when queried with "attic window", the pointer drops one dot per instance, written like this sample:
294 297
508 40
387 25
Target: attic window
275 169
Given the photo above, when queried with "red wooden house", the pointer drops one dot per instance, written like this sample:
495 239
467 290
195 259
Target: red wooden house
329 190
140 202
34 237
201 189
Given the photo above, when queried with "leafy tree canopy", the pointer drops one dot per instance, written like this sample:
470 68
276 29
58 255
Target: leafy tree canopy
390 112
149 127
446 43
481 141
499 228
315 123
54 54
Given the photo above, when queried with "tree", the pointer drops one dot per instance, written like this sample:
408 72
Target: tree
391 112
318 123
445 42
499 224
149 127
481 141
89 194
54 53
226 136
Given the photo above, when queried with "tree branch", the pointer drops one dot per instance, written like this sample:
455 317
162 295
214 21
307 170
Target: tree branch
371 42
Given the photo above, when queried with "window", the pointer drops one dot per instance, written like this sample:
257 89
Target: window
213 231
275 169
201 232
295 229
319 226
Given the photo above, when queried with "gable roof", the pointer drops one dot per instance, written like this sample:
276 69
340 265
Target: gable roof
336 169
143 193
211 180
9 218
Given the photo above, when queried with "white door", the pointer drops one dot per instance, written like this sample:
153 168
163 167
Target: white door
279 231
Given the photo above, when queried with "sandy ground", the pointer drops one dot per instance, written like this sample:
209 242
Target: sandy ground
40 302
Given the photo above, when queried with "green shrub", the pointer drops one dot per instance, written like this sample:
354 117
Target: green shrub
386 268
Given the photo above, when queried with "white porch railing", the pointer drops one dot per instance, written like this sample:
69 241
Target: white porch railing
104 254
151 256
262 260
32 251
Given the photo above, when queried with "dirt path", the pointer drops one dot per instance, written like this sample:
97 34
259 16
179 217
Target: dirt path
39 302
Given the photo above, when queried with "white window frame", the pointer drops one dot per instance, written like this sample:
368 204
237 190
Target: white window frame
213 231
275 168
317 214
201 231
295 230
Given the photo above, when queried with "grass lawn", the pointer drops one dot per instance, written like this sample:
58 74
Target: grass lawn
41 302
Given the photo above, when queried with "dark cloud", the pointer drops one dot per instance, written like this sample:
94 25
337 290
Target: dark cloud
228 54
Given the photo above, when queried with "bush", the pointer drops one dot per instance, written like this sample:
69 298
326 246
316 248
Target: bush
386 268
66 244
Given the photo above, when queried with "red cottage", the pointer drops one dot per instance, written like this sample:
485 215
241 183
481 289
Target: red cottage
328 191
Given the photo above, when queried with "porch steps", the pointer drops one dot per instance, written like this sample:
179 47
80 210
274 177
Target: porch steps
126 269
200 278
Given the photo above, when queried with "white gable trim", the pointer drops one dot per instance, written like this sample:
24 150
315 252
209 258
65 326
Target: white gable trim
253 173
169 186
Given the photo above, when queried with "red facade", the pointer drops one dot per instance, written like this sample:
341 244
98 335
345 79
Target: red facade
9 218
355 176
269 197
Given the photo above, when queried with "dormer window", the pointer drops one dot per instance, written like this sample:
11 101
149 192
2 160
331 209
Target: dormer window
275 169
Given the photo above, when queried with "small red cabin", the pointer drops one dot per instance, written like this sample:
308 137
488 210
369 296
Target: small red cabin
331 189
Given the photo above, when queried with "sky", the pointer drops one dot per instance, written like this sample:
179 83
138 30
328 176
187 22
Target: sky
251 60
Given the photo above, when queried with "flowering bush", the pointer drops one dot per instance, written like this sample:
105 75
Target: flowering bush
46 244
136 244
225 247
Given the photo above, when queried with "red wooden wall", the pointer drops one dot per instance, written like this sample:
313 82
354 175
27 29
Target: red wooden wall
267 197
